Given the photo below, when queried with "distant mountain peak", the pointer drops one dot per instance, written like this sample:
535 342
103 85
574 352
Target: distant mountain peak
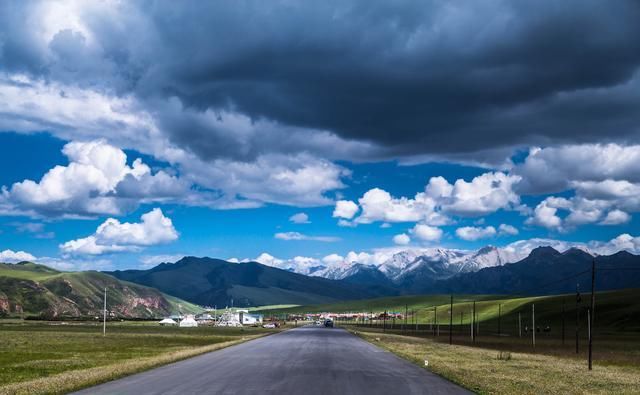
623 253
578 252
486 250
543 251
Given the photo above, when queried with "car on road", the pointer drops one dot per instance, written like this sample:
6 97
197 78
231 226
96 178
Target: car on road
328 323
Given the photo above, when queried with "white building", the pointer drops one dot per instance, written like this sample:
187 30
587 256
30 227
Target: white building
188 322
239 317
167 321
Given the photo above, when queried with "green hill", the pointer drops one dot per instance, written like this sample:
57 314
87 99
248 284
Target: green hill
615 310
391 304
32 290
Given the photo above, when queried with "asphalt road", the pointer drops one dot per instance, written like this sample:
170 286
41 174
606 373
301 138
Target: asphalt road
308 360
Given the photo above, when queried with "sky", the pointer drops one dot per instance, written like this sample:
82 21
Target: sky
134 133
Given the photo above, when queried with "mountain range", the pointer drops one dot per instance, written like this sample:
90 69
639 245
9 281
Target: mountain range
214 282
48 293
489 270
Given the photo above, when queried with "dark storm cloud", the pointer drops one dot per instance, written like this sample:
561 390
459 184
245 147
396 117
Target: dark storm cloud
410 77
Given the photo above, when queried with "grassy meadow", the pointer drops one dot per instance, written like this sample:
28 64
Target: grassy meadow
58 357
616 311
490 371
394 303
551 367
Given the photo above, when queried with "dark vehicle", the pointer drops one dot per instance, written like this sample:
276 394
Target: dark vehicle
328 323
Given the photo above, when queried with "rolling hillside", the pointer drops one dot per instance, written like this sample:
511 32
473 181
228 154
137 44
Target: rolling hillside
212 282
32 290
616 310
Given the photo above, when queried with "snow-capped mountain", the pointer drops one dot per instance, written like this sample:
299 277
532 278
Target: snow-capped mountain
489 256
435 262
415 265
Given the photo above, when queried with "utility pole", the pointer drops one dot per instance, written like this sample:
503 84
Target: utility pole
499 319
435 318
533 321
473 322
519 324
592 311
104 315
415 313
578 300
451 321
384 322
406 312
563 311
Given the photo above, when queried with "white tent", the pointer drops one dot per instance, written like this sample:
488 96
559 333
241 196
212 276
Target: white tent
168 321
188 322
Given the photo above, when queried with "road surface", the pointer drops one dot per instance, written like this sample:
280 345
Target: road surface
308 360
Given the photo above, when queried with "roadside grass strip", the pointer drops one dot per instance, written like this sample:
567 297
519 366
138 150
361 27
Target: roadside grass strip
487 371
74 380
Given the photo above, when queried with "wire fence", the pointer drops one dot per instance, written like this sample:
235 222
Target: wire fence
558 324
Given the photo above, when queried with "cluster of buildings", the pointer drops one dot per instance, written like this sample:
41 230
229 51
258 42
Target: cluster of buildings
348 316
228 317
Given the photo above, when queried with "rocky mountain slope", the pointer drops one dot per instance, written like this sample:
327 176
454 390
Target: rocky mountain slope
32 290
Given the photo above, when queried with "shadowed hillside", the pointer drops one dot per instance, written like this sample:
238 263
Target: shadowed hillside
211 282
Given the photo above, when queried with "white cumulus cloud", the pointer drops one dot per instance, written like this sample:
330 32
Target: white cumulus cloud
96 181
345 209
472 233
616 217
426 233
299 218
114 236
10 256
401 239
506 229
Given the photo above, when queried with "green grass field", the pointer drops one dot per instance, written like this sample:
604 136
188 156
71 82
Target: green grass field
551 367
34 356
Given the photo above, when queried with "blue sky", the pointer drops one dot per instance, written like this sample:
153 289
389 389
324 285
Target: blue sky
246 233
421 133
